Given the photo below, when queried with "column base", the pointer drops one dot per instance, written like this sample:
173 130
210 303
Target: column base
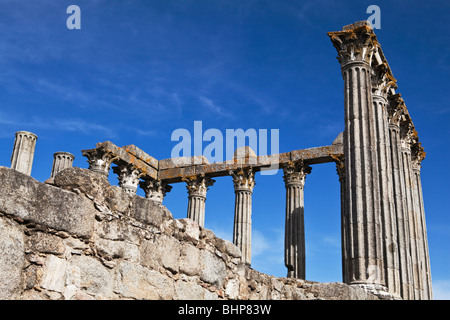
379 290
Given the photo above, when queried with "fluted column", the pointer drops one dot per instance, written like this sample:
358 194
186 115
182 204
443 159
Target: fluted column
197 188
128 177
340 169
396 111
355 45
155 189
244 183
61 161
382 82
418 154
294 243
23 152
406 135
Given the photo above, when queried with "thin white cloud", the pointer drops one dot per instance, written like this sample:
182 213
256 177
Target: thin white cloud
259 243
213 107
71 125
332 241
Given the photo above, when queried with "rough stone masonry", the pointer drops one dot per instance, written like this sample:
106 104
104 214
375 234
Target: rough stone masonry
82 238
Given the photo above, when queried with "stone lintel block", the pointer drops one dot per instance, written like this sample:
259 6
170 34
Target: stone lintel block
244 152
182 162
174 175
339 139
140 154
274 159
218 169
318 154
121 155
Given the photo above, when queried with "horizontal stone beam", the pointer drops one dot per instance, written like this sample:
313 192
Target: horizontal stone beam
175 169
309 156
146 164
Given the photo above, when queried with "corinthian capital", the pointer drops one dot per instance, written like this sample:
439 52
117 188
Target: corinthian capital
295 173
155 189
198 185
128 177
382 80
355 43
244 179
99 160
417 154
396 109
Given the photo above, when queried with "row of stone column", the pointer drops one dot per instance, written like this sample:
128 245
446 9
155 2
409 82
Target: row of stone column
383 224
244 182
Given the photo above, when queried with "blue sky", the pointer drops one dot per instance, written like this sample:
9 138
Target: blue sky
138 70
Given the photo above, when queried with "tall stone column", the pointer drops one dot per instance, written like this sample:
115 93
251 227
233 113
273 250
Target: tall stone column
418 154
61 161
355 45
155 189
340 169
128 177
244 182
396 110
294 243
406 136
382 82
23 152
197 188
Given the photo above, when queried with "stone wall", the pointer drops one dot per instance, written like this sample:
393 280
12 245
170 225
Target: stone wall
81 238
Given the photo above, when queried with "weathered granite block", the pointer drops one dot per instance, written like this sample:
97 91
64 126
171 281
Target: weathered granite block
12 259
26 198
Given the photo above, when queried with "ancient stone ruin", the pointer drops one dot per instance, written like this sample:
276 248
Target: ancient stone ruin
78 237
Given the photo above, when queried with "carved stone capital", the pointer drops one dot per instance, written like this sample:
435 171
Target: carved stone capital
408 134
295 173
355 43
198 185
155 189
243 179
396 109
99 160
382 80
128 177
340 166
417 155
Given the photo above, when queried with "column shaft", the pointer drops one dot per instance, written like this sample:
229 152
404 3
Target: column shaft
388 220
294 243
23 152
364 251
242 231
401 213
340 168
197 188
61 161
422 242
